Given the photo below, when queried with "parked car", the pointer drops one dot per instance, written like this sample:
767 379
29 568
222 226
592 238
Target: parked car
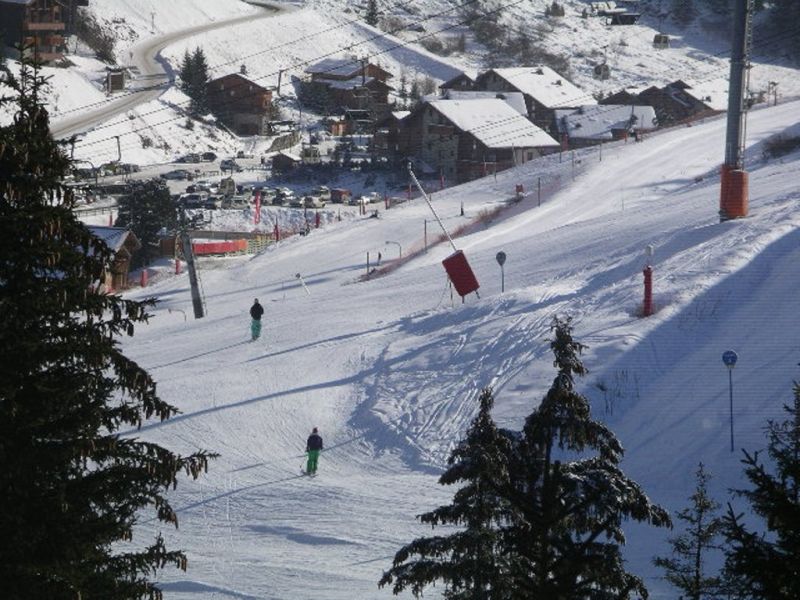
228 164
237 201
177 174
213 201
189 158
340 195
194 200
323 192
313 202
296 201
208 156
283 196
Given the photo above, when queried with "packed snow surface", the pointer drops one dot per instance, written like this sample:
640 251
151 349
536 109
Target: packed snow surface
389 368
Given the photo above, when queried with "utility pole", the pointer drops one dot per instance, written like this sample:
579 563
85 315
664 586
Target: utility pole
733 185
188 254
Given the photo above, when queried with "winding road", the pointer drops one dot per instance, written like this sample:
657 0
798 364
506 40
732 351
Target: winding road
153 77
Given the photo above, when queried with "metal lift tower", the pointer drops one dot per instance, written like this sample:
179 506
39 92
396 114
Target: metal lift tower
734 185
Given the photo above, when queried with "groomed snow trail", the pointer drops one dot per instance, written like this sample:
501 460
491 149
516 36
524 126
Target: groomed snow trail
389 369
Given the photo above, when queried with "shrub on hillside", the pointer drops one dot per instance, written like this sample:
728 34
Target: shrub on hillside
92 33
780 145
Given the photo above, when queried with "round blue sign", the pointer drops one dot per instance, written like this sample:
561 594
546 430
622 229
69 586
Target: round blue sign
729 357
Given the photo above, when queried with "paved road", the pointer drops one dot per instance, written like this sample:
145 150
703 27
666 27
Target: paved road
152 79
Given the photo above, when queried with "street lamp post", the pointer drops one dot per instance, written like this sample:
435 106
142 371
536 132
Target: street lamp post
399 248
501 260
729 357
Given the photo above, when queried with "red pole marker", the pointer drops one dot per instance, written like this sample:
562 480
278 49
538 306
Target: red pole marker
648 291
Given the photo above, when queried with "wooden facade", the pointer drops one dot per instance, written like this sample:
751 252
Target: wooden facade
242 105
37 24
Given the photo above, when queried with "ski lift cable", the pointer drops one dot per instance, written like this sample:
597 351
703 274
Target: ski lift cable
428 200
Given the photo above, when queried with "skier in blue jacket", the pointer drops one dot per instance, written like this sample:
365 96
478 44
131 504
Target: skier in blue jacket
313 448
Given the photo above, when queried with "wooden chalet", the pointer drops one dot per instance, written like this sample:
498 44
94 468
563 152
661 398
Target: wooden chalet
240 104
680 102
39 24
462 81
123 243
337 84
544 91
466 139
599 123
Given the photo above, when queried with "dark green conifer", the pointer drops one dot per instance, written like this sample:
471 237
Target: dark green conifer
687 568
470 562
568 505
766 563
146 210
71 484
371 17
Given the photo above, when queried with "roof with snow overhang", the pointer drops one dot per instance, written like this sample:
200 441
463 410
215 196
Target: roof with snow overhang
546 86
493 122
114 237
335 66
597 121
714 93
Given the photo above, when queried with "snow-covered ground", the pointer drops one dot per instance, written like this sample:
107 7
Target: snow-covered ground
389 369
305 32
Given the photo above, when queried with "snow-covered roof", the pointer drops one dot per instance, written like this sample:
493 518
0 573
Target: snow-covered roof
114 237
335 66
546 86
493 122
598 120
713 94
515 99
289 155
400 114
350 84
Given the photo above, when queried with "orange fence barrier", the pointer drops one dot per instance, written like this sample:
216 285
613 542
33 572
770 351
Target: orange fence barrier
223 247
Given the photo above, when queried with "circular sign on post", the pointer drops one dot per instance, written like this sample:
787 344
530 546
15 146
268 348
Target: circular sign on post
501 258
729 357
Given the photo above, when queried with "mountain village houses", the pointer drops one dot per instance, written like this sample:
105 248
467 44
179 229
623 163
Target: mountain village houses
241 105
41 25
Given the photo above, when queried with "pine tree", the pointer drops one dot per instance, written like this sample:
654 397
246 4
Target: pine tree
371 17
145 211
686 568
71 485
402 92
198 87
568 509
185 73
470 562
767 565
683 11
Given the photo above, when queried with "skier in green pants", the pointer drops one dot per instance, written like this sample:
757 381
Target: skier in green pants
313 448
256 311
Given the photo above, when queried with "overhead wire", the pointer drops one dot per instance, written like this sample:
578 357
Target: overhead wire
339 25
349 47
479 128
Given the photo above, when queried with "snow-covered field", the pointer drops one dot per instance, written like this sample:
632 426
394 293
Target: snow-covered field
389 369
304 32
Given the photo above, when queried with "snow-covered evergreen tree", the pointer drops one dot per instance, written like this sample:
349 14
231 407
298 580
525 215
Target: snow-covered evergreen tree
145 211
71 485
471 562
371 16
766 564
686 569
683 11
569 496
